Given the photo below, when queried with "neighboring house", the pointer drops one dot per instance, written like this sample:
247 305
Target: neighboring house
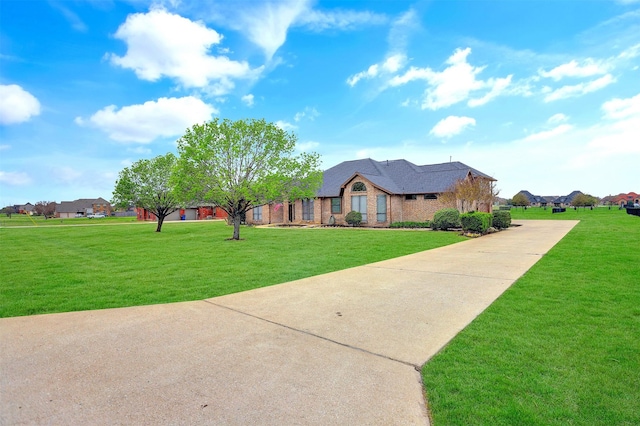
83 207
382 191
534 200
565 200
189 213
623 199
25 209
539 201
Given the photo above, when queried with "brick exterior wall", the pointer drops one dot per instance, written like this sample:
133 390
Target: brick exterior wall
399 209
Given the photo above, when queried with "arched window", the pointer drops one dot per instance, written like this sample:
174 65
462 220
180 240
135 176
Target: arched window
358 187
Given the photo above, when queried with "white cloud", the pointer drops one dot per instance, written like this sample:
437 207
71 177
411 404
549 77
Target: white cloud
15 178
165 117
497 87
308 113
139 150
371 72
588 68
66 174
266 23
549 134
17 105
248 100
162 44
394 63
338 19
451 126
579 89
557 118
454 84
622 108
285 125
396 59
307 146
4 147
72 17
630 53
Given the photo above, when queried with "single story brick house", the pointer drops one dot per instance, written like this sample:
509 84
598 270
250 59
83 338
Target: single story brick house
83 207
536 200
189 213
539 201
623 199
382 191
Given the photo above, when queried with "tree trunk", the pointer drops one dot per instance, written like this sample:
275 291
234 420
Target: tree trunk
236 226
160 220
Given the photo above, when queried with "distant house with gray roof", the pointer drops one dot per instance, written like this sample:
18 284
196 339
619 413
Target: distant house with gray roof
535 200
539 201
83 207
565 200
382 191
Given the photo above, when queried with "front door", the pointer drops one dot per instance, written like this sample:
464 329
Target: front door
292 212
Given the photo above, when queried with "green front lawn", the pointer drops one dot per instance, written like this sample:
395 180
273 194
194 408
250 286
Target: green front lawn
24 220
68 268
562 345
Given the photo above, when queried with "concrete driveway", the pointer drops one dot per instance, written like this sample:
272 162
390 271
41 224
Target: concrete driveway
339 348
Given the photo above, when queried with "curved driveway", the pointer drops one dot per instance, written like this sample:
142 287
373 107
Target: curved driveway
339 348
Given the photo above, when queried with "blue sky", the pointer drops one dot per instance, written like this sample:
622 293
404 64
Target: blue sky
542 95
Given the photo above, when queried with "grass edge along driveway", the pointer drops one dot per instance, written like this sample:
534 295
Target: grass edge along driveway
561 346
69 268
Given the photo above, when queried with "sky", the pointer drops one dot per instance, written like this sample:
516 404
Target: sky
541 95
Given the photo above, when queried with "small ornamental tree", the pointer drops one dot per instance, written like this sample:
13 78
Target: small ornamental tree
353 218
45 208
9 210
239 165
584 200
520 200
470 194
146 184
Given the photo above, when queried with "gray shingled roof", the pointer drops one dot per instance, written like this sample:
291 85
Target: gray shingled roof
78 206
567 199
533 198
396 176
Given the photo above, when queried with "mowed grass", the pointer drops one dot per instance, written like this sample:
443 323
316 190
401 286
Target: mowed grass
562 345
23 220
69 268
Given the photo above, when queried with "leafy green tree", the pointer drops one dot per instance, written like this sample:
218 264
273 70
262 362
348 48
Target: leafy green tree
584 200
239 165
147 184
520 200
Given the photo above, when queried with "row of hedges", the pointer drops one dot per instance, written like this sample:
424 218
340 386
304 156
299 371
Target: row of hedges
446 219
501 219
476 222
426 224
